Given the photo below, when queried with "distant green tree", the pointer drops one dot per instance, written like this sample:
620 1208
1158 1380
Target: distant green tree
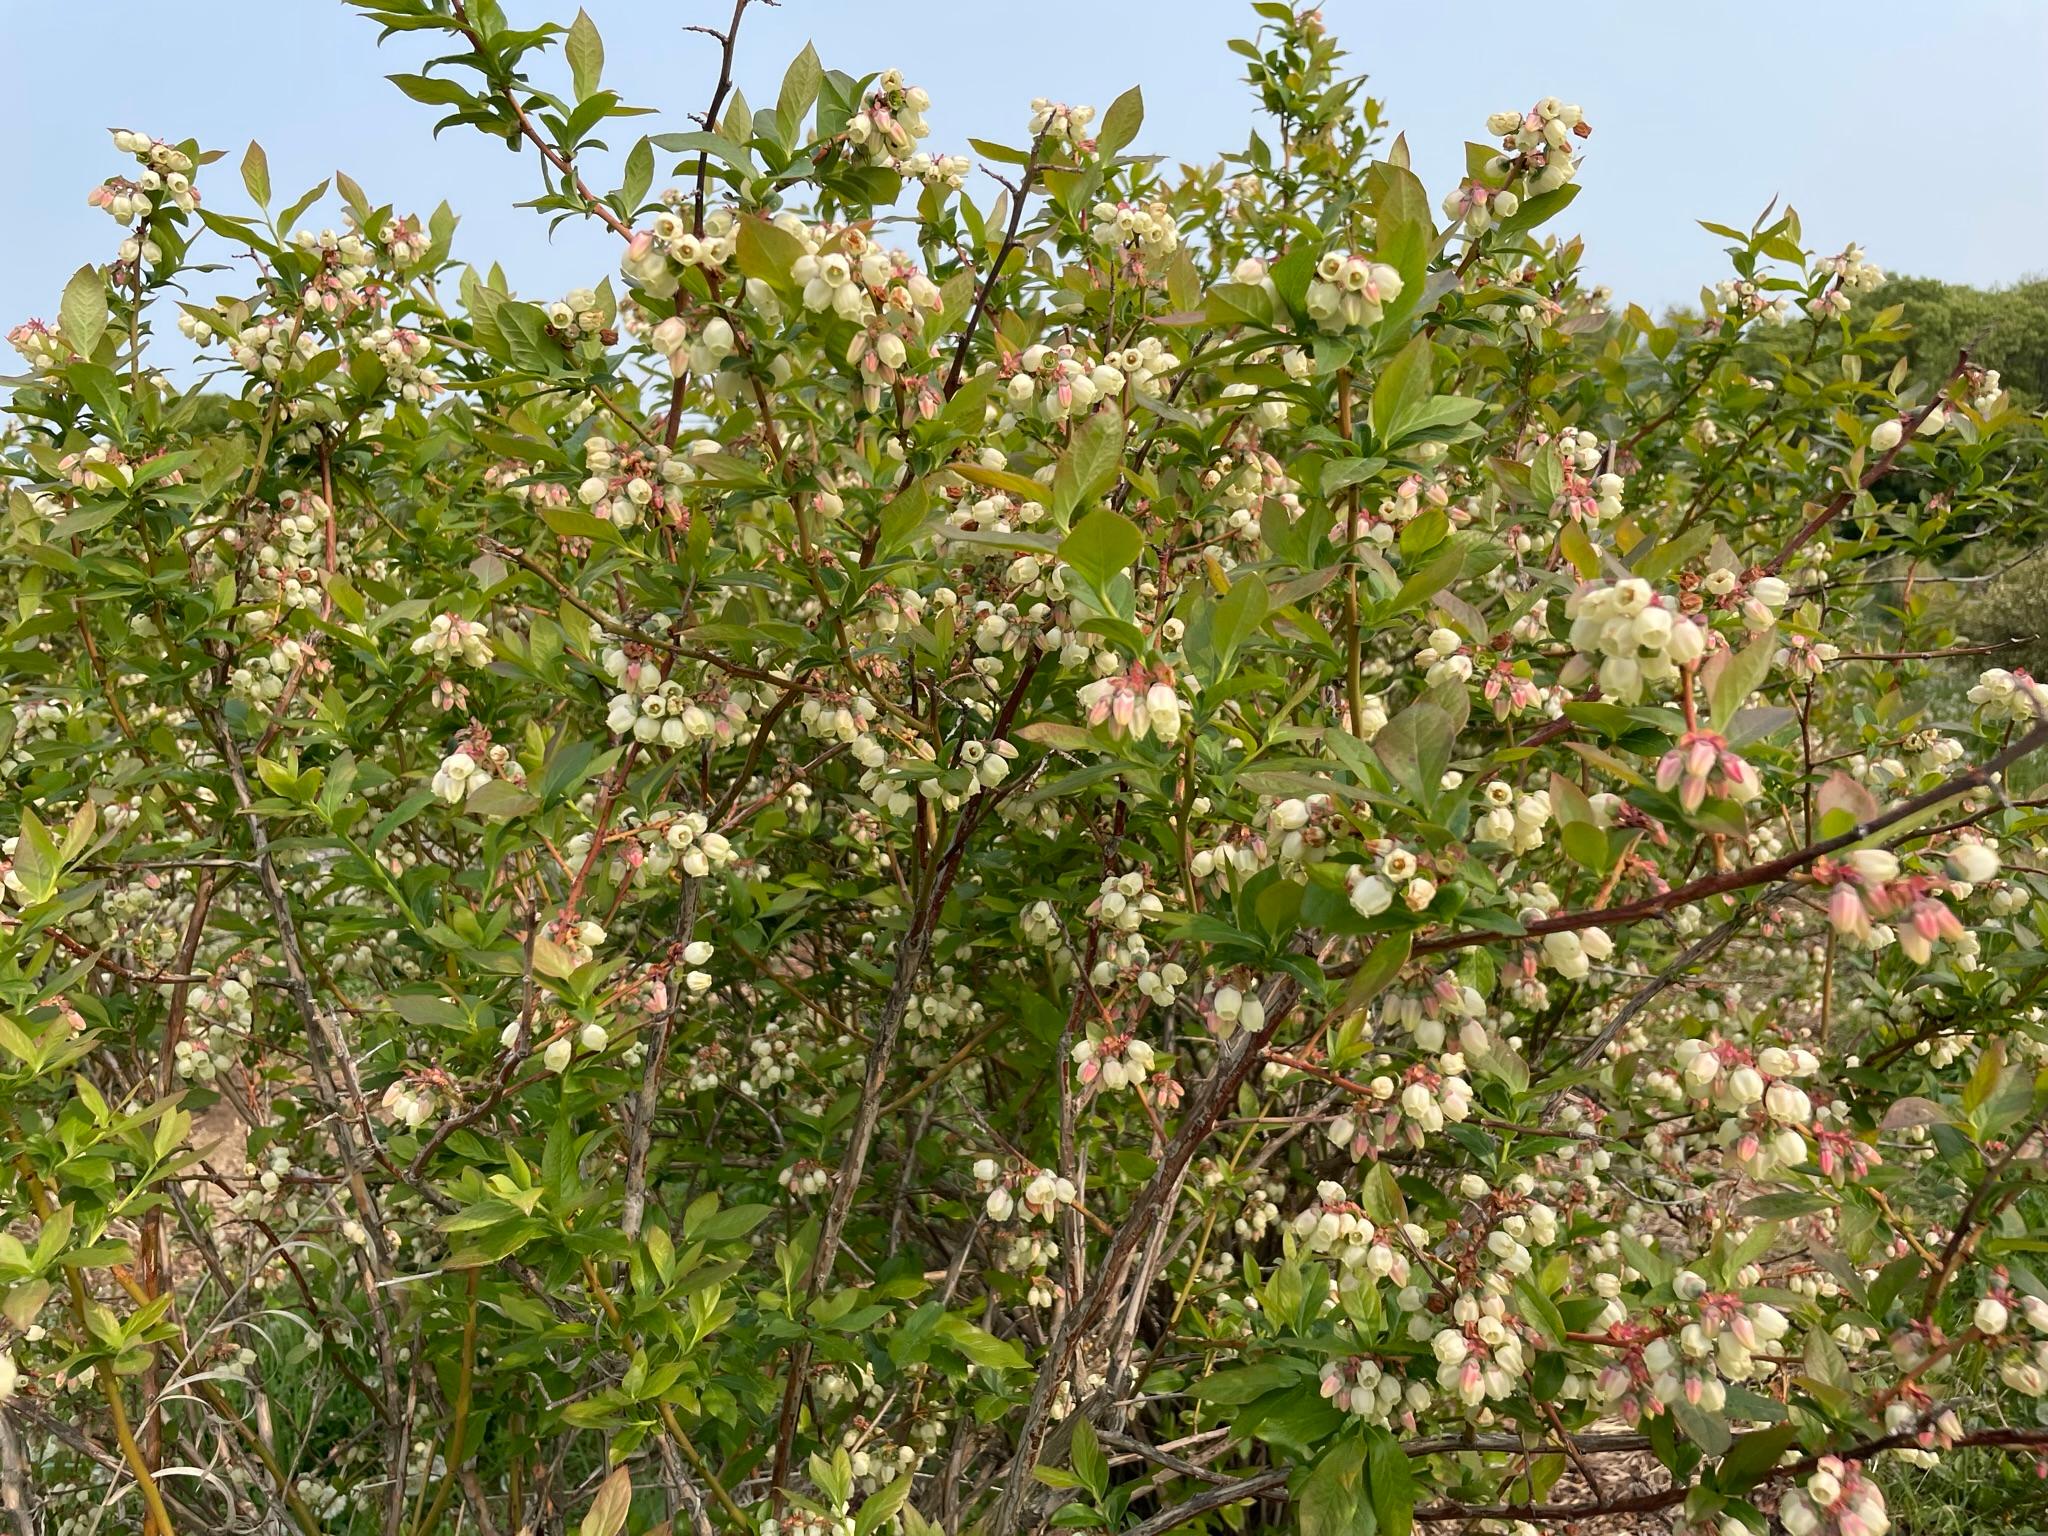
2005 328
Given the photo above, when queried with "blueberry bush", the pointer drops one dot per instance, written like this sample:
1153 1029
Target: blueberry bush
1007 837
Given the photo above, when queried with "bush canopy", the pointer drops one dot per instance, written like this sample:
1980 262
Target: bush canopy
1051 842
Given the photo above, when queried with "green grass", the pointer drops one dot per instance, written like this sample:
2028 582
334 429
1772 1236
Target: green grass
1970 1493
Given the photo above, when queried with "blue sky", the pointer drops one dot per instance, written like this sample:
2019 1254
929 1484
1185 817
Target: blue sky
1914 129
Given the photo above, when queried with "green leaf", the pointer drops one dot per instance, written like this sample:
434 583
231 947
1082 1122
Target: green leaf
1391 1483
433 91
1002 154
1292 273
1569 802
290 216
500 800
525 329
1429 528
84 822
1437 413
1824 1359
1339 473
1534 210
1708 1431
766 251
1415 746
881 1507
1020 486
1089 1462
575 523
1645 1260
1586 846
256 173
1236 303
1102 544
1236 1387
1120 123
279 779
428 1010
1400 207
1784 1204
1843 804
1381 1196
1078 1517
639 174
1376 972
1332 1500
1239 613
1750 725
1540 1312
1183 283
36 861
735 1221
1546 480
1732 679
1089 466
1576 547
1752 1456
800 84
904 516
713 144
1655 561
584 50
1442 570
978 1344
82 313
1403 385
1914 1110
1503 1061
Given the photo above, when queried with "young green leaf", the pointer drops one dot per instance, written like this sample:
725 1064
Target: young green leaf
256 173
1102 544
82 313
584 50
1120 123
1089 466
800 83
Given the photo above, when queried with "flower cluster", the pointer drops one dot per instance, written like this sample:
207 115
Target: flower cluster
1637 636
1350 291
1137 702
1061 382
1852 272
622 486
1536 156
1039 1194
1513 820
451 637
1114 1060
1871 883
1060 123
1701 765
2010 696
1146 227
890 121
475 762
1836 1500
1480 1355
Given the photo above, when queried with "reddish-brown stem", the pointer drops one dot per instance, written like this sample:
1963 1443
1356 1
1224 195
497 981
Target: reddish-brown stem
958 371
1754 874
592 204
1841 499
